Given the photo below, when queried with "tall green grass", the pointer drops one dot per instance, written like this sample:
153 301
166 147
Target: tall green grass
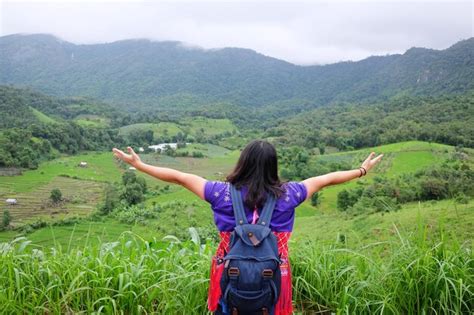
413 274
130 276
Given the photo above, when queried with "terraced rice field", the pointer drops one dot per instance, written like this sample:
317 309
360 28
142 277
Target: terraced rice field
80 198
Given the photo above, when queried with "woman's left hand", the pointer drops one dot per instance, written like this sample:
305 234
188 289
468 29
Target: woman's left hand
370 161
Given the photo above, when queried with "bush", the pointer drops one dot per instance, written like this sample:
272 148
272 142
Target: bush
6 219
348 198
197 154
111 200
133 191
316 199
133 194
135 214
56 195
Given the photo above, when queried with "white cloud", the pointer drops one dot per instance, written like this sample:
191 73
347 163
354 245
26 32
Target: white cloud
299 32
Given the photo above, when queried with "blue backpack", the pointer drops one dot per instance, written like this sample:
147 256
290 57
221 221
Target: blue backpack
251 279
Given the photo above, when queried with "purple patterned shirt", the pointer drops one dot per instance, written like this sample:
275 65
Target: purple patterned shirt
218 195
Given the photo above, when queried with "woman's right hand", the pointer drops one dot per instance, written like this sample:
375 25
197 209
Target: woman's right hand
132 158
370 161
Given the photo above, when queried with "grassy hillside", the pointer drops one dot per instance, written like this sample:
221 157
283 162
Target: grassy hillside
399 262
83 186
34 185
399 158
404 273
42 117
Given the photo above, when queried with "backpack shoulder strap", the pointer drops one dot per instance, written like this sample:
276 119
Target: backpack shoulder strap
267 211
238 206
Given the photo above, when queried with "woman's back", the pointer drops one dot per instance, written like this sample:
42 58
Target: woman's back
217 193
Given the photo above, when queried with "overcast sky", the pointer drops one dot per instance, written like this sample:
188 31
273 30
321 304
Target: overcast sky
305 32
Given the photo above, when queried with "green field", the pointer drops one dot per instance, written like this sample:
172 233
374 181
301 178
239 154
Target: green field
162 128
92 121
101 167
191 126
80 197
83 185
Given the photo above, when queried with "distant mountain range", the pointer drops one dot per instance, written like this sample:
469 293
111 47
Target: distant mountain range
143 74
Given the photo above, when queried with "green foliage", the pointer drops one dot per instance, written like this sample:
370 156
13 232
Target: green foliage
316 199
141 137
6 219
27 136
133 193
137 276
136 214
407 275
134 188
296 164
446 119
22 106
18 147
56 195
197 154
450 179
348 198
111 200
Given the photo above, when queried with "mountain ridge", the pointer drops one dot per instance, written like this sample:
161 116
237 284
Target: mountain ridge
144 74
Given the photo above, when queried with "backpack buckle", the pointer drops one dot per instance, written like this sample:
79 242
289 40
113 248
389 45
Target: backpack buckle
267 273
233 272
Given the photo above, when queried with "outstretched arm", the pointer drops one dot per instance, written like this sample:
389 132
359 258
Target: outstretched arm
191 182
317 183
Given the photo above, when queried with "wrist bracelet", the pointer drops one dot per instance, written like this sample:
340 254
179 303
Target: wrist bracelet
365 171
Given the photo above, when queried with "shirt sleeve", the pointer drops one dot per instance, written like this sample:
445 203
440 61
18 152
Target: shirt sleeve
298 192
213 191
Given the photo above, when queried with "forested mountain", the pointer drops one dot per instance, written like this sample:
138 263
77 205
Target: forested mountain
21 107
445 119
35 127
142 74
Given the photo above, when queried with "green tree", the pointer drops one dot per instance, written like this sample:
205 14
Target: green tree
6 218
133 193
343 200
56 195
322 148
129 177
316 199
112 199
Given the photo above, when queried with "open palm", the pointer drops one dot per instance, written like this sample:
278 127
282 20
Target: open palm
132 158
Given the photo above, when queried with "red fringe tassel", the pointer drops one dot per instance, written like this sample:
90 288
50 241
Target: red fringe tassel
284 305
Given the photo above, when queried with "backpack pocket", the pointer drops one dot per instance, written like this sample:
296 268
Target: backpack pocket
250 301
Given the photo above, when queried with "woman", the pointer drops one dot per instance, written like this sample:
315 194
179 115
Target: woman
255 175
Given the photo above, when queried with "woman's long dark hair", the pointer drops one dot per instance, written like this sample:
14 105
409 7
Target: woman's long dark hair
257 169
